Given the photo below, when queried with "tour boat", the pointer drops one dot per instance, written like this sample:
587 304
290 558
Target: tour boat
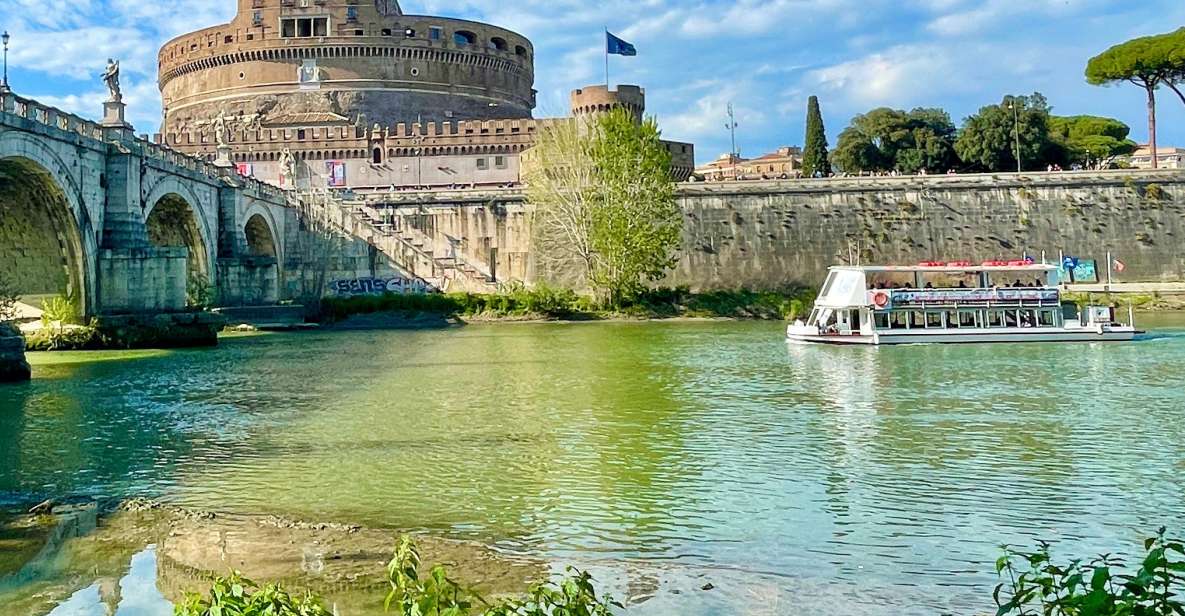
932 303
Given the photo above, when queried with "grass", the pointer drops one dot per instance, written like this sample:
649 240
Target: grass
552 303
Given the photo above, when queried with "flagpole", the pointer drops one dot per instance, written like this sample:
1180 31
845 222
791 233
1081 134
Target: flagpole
606 41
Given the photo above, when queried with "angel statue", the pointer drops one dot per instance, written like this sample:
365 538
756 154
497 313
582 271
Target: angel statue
111 79
288 166
220 129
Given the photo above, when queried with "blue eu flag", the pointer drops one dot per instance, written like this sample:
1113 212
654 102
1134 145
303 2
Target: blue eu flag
619 47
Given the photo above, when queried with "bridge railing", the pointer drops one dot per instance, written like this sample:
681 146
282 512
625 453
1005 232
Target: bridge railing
29 109
32 110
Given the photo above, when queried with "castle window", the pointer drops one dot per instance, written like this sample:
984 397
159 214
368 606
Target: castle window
464 37
435 33
499 44
483 164
377 158
300 134
500 162
519 50
410 33
304 27
386 32
351 13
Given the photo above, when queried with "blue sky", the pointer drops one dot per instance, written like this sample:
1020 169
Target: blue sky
696 56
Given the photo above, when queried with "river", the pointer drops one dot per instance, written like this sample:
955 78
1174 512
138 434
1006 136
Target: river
784 479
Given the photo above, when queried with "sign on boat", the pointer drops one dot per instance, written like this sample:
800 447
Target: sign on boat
997 301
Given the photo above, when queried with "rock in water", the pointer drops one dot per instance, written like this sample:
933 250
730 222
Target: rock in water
13 366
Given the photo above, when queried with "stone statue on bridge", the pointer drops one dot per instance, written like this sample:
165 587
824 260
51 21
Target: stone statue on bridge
220 129
288 168
111 79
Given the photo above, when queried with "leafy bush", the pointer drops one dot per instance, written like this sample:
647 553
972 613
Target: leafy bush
438 595
238 596
1034 585
199 292
60 309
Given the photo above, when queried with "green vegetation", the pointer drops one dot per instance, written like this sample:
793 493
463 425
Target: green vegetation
889 139
199 292
604 203
1149 62
237 596
60 310
988 141
434 594
815 158
438 595
543 302
1093 141
1035 585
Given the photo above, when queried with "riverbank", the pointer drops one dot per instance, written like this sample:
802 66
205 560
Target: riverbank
345 564
550 304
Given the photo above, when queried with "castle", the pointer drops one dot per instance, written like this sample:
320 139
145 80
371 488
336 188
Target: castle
356 94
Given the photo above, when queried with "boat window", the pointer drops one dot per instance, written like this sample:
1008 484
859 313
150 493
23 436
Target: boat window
933 319
1047 318
882 320
967 318
916 320
899 320
1011 318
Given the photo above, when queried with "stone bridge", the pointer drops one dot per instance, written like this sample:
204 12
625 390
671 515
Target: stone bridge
124 225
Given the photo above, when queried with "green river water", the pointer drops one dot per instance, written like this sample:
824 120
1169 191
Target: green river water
794 479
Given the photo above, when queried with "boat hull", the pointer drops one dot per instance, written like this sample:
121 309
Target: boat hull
1060 335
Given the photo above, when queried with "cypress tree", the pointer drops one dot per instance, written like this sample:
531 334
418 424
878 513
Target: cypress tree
814 155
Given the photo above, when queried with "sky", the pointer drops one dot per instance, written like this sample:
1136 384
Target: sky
766 57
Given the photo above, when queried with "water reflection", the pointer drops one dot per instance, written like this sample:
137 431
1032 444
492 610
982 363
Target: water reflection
668 456
135 594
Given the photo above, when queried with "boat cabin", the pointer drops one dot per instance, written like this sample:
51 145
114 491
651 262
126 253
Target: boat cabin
862 301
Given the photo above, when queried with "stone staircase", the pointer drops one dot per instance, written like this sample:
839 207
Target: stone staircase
432 260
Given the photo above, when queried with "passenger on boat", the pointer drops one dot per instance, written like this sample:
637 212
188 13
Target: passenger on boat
962 284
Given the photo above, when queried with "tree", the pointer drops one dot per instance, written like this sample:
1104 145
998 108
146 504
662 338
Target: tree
1149 62
889 139
604 202
988 141
558 172
1092 140
637 223
814 157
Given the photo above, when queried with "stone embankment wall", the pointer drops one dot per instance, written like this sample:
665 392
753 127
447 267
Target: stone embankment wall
764 235
771 234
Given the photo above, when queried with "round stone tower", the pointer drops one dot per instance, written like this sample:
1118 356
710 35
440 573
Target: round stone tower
288 63
592 100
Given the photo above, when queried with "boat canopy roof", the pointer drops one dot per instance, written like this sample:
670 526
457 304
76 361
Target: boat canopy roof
949 268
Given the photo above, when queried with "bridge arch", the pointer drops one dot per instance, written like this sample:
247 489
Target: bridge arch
174 222
261 240
46 239
175 218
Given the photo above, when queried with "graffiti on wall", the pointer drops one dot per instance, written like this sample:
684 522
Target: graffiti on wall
378 286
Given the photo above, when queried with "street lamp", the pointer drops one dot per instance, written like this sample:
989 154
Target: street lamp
1016 116
4 84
